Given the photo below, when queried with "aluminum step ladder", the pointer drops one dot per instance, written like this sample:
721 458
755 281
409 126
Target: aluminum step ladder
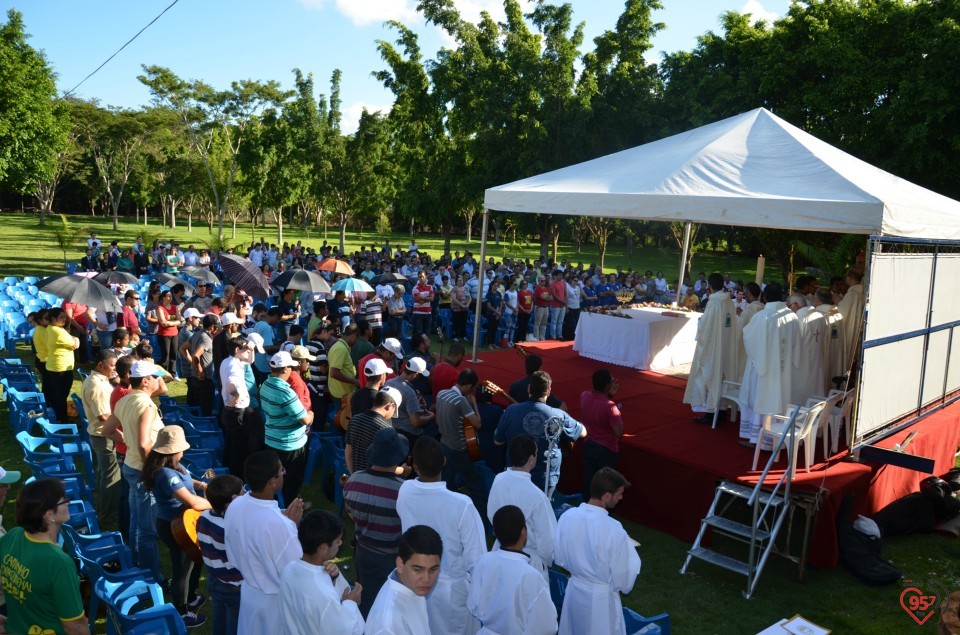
769 509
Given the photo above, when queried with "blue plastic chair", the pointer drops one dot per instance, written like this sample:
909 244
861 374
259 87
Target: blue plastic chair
558 587
32 452
70 440
32 280
136 607
314 455
656 625
83 518
202 463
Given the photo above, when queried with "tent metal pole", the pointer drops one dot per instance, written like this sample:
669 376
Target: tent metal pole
481 275
683 261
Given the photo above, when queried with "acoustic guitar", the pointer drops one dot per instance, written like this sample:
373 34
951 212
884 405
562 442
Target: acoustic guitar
342 420
184 531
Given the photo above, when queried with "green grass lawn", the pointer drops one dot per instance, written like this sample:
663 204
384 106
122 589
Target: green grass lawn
708 600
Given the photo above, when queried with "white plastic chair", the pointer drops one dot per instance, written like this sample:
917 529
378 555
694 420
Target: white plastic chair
729 393
804 430
832 411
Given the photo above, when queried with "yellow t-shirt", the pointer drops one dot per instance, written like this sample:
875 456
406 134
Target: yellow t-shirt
40 342
128 410
339 357
59 350
96 401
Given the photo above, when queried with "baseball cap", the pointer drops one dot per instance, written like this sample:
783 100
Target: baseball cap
392 344
6 478
257 340
144 368
302 352
375 367
282 360
389 448
417 365
396 395
192 313
230 318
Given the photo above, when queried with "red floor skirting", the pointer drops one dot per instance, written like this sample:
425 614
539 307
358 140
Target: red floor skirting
673 464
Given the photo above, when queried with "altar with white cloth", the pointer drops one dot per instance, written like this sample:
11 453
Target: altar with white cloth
654 339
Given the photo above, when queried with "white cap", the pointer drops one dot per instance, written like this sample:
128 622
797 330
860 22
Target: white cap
257 340
417 365
230 318
282 360
144 368
395 395
375 367
192 313
392 344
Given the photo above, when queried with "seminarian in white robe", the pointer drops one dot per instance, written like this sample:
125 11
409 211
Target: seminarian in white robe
851 308
772 342
514 487
603 563
455 518
311 602
509 597
396 611
743 319
259 541
834 346
716 357
808 380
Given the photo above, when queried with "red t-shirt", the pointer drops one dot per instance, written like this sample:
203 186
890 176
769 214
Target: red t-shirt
443 376
79 312
542 296
130 321
163 316
599 414
422 309
300 387
362 376
558 288
525 300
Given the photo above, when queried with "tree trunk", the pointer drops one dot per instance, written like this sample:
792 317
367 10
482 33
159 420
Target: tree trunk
343 231
280 227
630 247
145 208
190 221
496 231
445 230
233 234
556 244
115 204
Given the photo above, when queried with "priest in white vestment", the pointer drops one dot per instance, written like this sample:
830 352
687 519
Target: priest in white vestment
507 595
835 343
716 357
514 487
260 541
851 308
602 560
401 605
808 380
772 342
754 305
427 501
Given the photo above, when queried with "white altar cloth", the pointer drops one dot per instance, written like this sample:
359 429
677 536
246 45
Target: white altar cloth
649 341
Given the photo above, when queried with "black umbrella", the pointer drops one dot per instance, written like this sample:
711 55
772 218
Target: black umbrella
116 277
390 277
82 290
245 276
201 273
170 280
301 280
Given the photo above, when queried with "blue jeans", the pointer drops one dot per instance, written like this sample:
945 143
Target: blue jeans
143 530
555 331
226 605
105 338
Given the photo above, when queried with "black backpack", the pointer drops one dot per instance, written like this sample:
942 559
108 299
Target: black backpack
861 554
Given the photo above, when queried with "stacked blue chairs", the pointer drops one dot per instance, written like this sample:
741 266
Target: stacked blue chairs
558 587
70 439
31 279
202 464
135 605
11 280
24 406
314 455
54 459
83 517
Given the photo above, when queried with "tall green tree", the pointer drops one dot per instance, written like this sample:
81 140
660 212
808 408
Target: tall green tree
33 124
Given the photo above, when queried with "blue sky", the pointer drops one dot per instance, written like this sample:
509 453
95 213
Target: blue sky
219 41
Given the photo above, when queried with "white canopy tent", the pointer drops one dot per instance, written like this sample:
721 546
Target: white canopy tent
753 170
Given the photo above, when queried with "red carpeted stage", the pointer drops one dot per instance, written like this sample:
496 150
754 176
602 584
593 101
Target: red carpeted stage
674 464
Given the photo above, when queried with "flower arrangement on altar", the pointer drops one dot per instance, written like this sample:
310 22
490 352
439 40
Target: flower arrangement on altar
658 305
612 311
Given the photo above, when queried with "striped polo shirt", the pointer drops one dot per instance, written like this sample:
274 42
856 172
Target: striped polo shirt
283 411
371 498
210 535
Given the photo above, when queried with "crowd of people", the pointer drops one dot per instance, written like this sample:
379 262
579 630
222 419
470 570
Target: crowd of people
415 493
781 348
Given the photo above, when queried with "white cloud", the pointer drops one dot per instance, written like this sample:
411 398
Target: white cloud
351 115
365 12
758 12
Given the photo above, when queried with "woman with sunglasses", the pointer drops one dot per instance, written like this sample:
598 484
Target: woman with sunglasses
168 321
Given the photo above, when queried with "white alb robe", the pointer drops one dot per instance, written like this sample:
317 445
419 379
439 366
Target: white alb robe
808 380
602 562
514 487
851 308
834 346
260 541
772 342
716 356
397 611
743 319
454 517
509 597
310 602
